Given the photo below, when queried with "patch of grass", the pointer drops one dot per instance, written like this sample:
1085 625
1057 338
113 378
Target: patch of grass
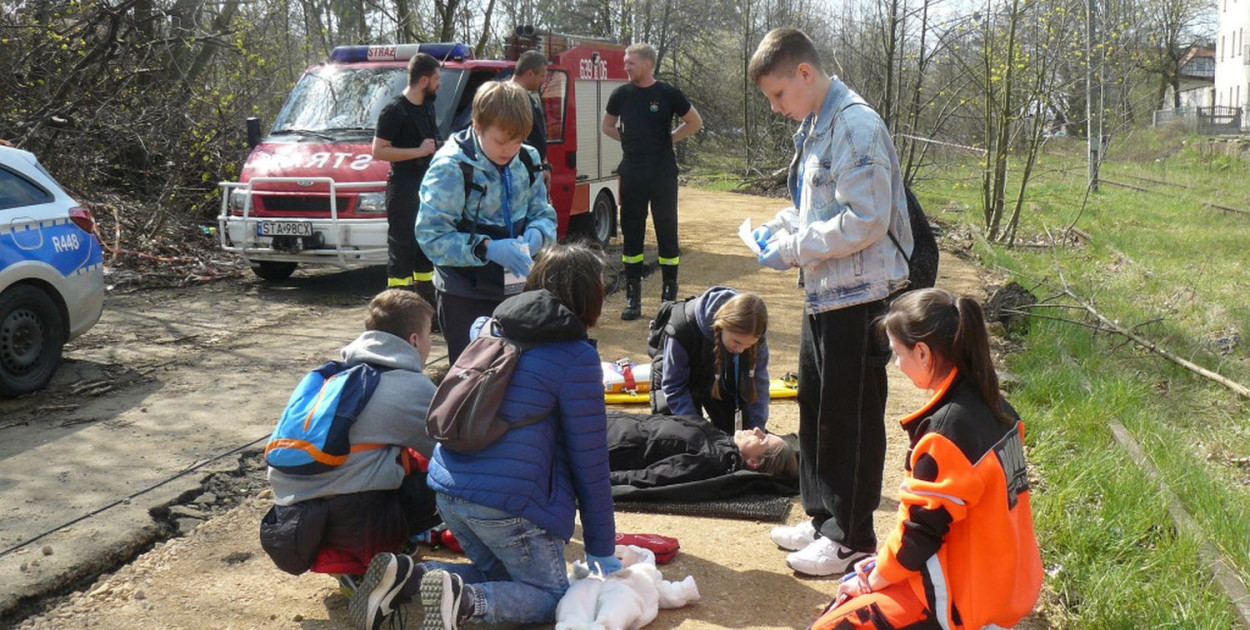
1179 269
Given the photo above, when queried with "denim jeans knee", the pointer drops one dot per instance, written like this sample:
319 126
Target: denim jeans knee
517 565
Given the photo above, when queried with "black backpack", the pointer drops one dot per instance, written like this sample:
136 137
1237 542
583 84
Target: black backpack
922 265
673 319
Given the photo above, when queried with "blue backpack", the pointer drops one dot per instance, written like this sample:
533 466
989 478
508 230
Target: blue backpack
312 436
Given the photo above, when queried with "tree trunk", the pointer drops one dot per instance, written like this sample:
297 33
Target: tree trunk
220 25
479 51
403 22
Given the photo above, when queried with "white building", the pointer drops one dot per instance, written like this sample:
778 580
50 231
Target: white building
1232 56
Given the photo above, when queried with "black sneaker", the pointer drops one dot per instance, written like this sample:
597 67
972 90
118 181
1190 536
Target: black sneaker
371 603
442 597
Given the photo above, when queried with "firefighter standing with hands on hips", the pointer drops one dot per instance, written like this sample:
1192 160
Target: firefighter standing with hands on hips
644 109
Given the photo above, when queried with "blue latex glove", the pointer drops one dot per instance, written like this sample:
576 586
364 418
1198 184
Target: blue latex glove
607 565
506 254
534 239
761 234
771 257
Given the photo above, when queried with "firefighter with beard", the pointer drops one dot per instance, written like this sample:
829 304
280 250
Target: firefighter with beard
407 136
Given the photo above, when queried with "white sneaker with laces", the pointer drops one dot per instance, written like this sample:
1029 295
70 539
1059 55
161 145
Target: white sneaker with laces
824 557
794 537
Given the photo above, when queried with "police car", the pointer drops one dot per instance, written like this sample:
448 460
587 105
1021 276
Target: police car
51 272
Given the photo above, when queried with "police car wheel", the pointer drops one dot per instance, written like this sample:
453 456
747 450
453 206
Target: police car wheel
274 271
32 334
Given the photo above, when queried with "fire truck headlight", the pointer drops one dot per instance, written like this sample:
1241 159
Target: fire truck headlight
238 197
371 203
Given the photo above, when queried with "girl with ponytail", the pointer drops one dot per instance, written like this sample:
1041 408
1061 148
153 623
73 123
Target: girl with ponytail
714 360
963 554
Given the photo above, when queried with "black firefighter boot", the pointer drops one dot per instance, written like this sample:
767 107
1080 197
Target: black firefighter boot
668 292
633 292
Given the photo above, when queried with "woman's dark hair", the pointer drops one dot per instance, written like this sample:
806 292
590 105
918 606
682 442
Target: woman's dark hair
574 274
954 329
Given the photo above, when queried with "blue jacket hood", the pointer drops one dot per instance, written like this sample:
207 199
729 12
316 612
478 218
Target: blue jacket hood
707 305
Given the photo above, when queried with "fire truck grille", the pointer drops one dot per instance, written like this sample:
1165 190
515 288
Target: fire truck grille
284 203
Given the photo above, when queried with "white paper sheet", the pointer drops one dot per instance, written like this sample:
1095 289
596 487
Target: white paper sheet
744 232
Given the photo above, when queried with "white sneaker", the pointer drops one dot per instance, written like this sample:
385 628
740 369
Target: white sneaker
794 537
824 557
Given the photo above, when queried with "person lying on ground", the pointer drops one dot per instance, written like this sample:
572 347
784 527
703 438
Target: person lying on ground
964 554
661 450
714 360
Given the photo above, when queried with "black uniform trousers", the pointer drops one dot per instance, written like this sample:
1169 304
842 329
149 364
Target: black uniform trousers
456 314
649 183
842 392
403 199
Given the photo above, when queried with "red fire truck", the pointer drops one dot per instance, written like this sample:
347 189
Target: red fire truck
311 192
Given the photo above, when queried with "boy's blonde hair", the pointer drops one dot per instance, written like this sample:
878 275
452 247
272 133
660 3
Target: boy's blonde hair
646 51
505 105
399 312
780 53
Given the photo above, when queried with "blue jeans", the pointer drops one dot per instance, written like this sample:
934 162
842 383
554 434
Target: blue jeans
518 568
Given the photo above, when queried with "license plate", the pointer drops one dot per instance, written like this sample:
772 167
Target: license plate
284 228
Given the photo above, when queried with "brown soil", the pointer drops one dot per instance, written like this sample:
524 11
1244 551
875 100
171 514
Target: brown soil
217 576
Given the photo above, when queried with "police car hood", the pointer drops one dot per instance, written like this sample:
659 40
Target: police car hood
344 162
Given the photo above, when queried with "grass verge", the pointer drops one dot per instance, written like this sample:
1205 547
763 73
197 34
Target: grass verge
1164 262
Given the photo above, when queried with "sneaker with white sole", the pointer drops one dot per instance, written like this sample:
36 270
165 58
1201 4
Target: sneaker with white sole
794 537
442 596
372 602
824 557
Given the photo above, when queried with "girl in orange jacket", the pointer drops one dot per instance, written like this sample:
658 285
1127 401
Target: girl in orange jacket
963 554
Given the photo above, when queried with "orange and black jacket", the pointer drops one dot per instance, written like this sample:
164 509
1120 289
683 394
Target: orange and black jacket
964 539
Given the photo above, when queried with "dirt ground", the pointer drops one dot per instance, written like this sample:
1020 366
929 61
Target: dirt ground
172 379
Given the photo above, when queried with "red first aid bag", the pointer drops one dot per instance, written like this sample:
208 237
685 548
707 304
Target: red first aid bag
664 547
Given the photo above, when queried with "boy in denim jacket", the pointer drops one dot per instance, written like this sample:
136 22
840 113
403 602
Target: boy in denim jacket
848 192
484 211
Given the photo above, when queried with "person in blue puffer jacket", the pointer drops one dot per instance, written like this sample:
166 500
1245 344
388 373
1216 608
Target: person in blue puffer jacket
512 504
715 361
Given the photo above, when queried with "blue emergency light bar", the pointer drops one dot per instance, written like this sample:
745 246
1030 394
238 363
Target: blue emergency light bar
443 51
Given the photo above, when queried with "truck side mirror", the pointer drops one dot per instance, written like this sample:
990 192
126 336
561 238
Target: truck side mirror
253 131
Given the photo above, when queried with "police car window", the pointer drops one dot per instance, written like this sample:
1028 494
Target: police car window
336 98
17 191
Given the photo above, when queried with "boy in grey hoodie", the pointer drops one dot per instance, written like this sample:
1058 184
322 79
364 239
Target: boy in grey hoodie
378 498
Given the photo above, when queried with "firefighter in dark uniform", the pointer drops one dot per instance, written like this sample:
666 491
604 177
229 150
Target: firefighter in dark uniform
407 136
531 74
644 109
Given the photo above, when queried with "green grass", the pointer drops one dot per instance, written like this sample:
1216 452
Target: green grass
1114 559
1113 556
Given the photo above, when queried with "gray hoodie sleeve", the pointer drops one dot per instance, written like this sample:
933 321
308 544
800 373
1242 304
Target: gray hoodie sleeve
398 409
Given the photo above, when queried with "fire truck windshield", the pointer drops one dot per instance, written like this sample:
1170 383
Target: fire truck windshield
340 100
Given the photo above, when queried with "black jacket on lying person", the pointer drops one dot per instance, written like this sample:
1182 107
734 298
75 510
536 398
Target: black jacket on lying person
651 451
